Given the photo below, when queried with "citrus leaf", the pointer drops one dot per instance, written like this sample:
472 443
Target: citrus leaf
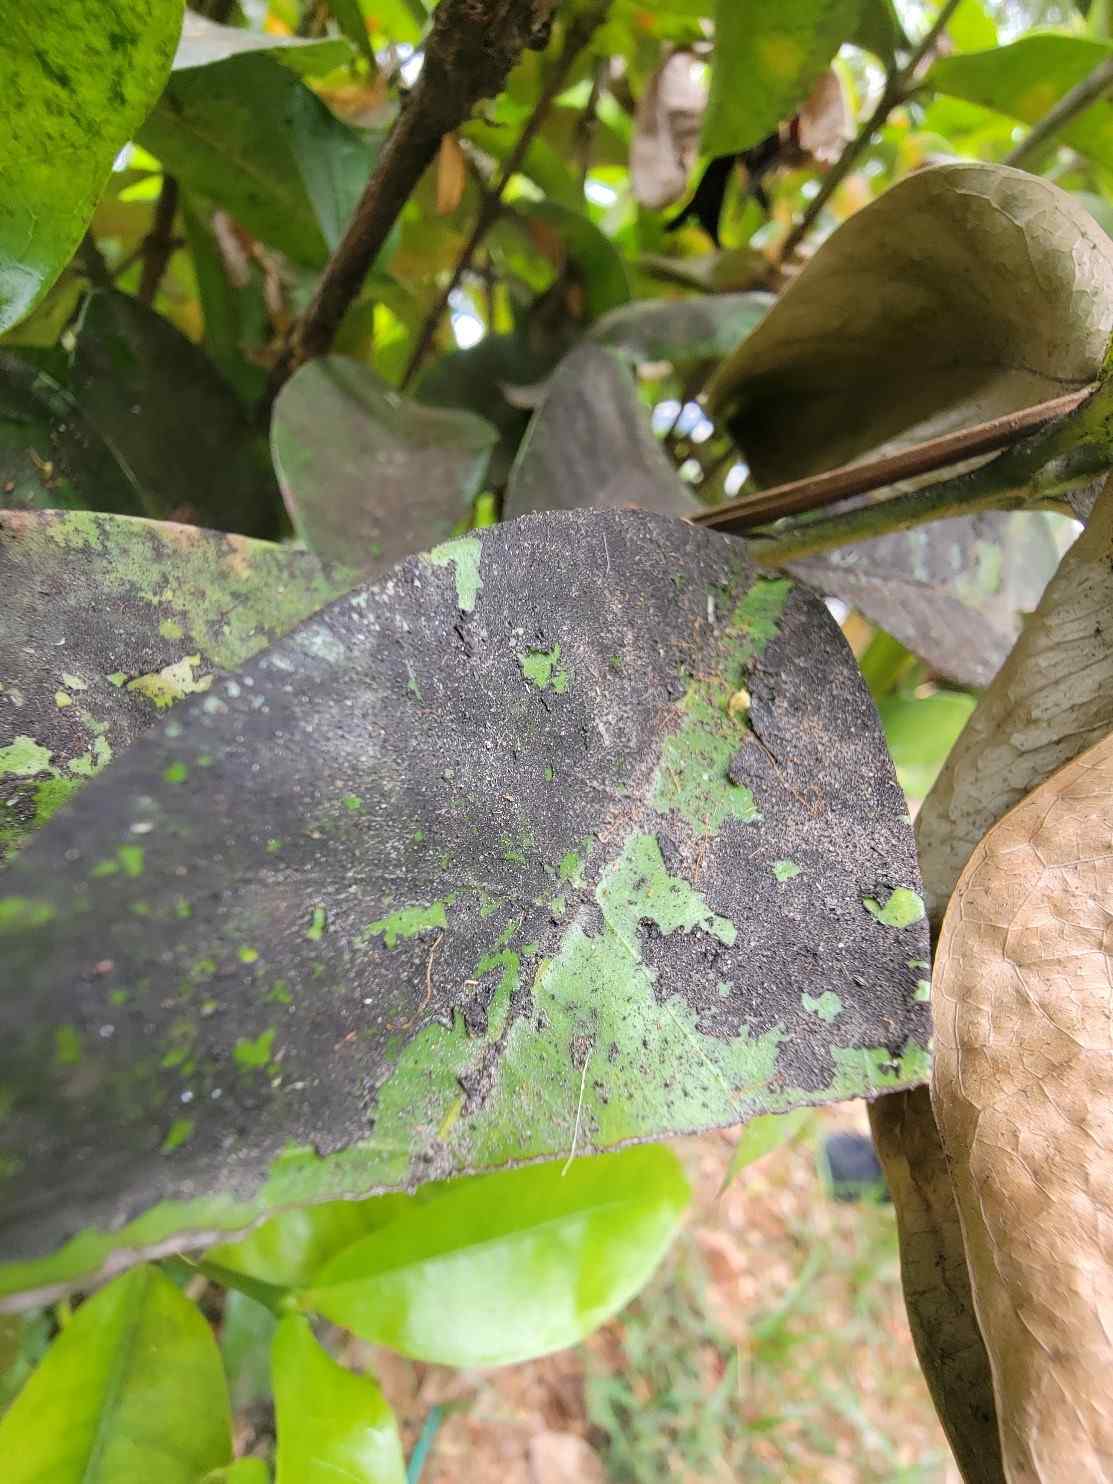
964 292
590 443
107 622
77 85
332 1424
762 1135
131 1389
766 61
367 474
242 1471
1022 1091
702 327
601 267
562 754
920 733
510 1266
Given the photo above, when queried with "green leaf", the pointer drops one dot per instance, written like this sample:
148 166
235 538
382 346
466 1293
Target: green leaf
132 1389
879 29
590 443
234 314
204 43
335 163
921 733
164 409
971 27
766 61
332 1424
286 1251
511 1266
762 1135
964 292
243 1471
246 1332
601 266
523 767
349 17
351 453
78 82
698 328
108 621
1027 79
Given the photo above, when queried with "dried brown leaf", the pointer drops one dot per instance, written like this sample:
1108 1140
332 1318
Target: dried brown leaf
1023 1090
667 129
824 123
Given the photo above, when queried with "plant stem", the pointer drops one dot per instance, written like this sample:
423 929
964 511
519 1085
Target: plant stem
821 490
897 87
159 243
579 32
1072 103
468 54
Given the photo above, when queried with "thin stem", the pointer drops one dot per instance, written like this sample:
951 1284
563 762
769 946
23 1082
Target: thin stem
579 32
822 490
1072 103
160 242
896 89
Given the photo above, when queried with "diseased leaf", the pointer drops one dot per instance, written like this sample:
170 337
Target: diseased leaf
107 621
564 754
767 59
78 82
964 292
954 592
665 144
168 414
590 443
332 1424
204 43
50 457
511 1266
367 474
108 1401
1022 1089
1027 79
698 328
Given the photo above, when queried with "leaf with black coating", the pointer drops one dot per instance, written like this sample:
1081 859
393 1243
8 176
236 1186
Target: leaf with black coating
590 444
367 474
162 406
480 865
108 621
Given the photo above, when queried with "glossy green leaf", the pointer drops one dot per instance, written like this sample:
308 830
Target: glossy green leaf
367 474
601 267
1027 79
204 43
879 30
511 1266
701 327
243 1471
349 17
507 885
762 1135
288 1250
332 1423
766 61
234 312
246 1333
590 443
131 1391
168 414
335 163
921 733
971 28
109 621
77 83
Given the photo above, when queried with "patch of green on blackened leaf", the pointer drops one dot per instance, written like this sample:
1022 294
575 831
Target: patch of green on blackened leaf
409 922
247 955
176 773
319 922
638 887
352 802
131 859
178 1132
67 1046
786 870
922 992
280 993
19 913
255 1053
903 908
543 669
23 758
870 1067
464 554
827 1005
693 776
172 683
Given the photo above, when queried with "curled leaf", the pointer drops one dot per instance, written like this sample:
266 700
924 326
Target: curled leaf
667 125
696 328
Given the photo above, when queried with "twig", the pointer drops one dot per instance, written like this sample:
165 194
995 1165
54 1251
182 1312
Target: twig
1074 102
159 243
579 32
822 490
897 87
470 50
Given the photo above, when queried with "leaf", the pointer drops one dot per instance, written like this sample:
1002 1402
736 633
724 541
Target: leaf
233 310
1022 1091
204 43
1027 79
131 1389
762 1135
349 17
332 1424
879 29
242 1471
206 131
920 734
77 85
954 592
367 474
50 456
601 268
335 164
563 753
167 413
964 292
246 1332
107 621
766 61
665 144
590 443
511 1266
701 327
